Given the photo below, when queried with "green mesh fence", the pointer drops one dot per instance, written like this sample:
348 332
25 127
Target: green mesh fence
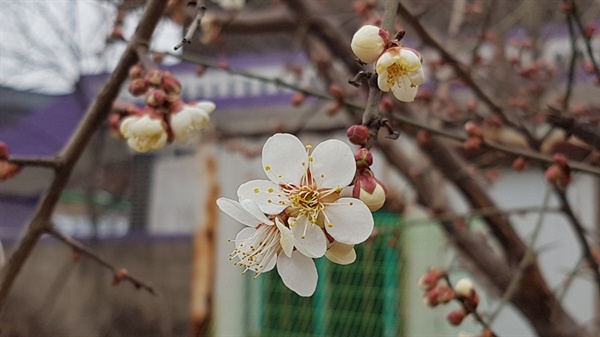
361 299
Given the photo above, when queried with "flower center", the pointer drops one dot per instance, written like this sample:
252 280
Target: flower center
394 71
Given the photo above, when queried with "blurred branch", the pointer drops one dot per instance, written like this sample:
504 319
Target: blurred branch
574 12
572 62
587 132
201 10
533 155
92 120
119 273
35 161
528 259
580 233
464 74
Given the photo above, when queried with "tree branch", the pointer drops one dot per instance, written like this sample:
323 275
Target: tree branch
94 117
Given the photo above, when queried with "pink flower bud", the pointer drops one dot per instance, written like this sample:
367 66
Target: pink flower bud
154 77
465 291
298 98
155 97
455 317
136 71
138 86
446 294
559 175
473 130
363 158
431 298
430 279
560 159
4 152
8 170
370 191
336 92
171 85
519 164
359 135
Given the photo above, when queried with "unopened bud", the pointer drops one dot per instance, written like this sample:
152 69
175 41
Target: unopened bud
559 175
431 298
358 135
155 97
519 164
154 77
430 279
138 86
455 317
336 92
8 170
171 85
368 43
363 158
370 191
464 288
472 143
4 151
446 294
120 275
473 130
298 98
136 71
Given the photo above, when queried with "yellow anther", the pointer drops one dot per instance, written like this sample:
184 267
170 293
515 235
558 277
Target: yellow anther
330 225
271 190
268 168
256 190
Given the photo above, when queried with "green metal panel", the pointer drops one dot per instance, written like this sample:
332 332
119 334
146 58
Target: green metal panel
360 299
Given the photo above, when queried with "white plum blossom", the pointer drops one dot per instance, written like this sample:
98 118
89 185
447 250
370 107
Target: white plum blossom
264 243
400 70
368 43
307 187
144 133
189 121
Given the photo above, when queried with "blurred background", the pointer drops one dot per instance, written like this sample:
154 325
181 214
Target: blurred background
155 214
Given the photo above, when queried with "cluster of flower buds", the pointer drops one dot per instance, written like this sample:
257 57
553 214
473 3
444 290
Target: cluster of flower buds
367 188
437 291
399 68
474 136
7 169
559 172
165 116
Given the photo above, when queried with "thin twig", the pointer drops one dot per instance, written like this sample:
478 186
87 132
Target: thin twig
187 39
573 61
587 40
79 247
52 163
529 257
580 233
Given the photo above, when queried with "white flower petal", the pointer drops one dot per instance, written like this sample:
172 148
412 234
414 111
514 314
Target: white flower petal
270 264
416 77
284 158
367 44
403 90
206 106
333 165
298 273
409 60
251 207
237 212
310 239
341 253
243 235
382 82
384 61
349 221
287 238
267 195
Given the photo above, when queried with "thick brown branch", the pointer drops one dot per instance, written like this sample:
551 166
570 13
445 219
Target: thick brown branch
35 161
94 117
589 133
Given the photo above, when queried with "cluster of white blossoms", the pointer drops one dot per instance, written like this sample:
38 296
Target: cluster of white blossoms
299 213
165 117
399 69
